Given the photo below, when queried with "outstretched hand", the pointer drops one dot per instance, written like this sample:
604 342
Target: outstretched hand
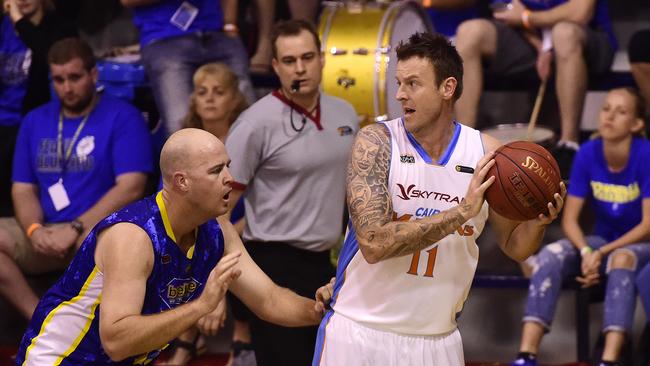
324 296
553 209
219 279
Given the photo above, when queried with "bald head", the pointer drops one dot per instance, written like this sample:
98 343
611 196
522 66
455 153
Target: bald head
185 149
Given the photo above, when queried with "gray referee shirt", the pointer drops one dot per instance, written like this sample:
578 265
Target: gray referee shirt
294 181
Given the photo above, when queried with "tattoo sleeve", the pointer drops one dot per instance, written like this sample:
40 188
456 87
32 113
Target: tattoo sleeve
371 208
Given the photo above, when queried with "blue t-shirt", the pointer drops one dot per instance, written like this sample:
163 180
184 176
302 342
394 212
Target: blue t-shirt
114 141
166 19
15 59
65 323
447 21
616 197
600 20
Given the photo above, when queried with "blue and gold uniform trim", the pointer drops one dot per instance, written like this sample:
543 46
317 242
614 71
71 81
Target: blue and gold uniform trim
68 322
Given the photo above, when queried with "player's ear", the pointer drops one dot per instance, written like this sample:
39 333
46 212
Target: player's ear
448 87
181 181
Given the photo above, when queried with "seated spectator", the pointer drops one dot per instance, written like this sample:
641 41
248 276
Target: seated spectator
176 37
529 35
609 171
265 13
27 31
639 52
215 104
77 159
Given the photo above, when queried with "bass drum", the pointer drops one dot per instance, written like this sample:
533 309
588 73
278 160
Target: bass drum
359 46
506 133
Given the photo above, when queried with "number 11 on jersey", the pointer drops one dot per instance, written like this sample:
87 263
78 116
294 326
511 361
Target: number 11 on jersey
431 262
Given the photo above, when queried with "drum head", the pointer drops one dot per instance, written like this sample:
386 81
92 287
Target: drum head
517 132
410 19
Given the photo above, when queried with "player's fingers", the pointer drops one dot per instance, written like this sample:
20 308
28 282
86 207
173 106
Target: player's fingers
225 264
559 201
227 276
212 326
485 185
482 171
485 170
484 160
319 307
563 190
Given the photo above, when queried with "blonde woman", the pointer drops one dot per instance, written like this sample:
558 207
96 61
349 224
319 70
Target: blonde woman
215 104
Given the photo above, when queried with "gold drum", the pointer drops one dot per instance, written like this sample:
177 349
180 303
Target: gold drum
359 45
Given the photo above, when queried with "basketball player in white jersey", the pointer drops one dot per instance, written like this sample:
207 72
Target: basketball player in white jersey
415 190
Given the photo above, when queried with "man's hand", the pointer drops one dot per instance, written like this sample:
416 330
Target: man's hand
512 14
211 323
553 209
43 242
324 296
63 237
477 186
219 279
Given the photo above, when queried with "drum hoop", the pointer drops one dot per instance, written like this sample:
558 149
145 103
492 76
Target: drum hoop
381 35
513 126
520 127
327 26
384 37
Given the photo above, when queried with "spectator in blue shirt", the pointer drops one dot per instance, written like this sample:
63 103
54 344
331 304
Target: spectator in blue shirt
527 36
176 37
611 173
26 33
77 159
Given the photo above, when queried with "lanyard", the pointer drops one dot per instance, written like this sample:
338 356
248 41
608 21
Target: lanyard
59 142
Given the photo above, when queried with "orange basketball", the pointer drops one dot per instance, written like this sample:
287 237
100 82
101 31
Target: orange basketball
527 177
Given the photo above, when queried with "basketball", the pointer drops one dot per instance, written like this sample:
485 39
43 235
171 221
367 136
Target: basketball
527 177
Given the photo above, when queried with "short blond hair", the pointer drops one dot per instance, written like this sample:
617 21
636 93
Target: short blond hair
229 80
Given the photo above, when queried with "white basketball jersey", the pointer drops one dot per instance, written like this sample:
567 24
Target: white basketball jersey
421 293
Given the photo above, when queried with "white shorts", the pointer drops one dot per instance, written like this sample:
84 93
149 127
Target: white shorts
342 341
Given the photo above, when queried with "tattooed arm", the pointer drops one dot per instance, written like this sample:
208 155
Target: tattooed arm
371 208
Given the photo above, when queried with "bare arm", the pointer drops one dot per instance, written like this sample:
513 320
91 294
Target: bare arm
229 11
134 3
27 204
125 257
267 300
519 240
570 221
128 188
637 234
370 204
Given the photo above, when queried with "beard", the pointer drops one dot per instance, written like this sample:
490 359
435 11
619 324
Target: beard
80 105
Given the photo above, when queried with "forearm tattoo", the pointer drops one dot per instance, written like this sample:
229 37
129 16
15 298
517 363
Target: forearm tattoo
371 207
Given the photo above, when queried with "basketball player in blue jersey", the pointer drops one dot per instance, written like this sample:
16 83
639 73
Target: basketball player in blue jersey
416 210
147 273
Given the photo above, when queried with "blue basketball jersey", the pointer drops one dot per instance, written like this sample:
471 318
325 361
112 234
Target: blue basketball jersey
64 329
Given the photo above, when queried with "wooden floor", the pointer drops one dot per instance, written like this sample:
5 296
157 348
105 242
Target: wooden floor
6 353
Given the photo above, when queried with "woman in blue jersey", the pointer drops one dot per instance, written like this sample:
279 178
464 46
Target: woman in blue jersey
610 173
215 104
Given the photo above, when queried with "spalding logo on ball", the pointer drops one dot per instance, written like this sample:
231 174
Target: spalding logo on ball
527 177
